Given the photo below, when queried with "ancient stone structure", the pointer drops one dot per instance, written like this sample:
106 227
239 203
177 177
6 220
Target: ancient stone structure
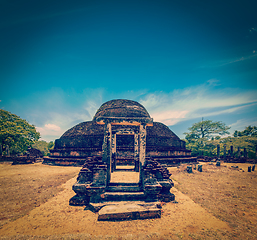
121 133
122 118
93 184
129 134
31 156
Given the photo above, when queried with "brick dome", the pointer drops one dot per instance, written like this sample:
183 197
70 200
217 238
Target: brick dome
121 108
86 138
84 129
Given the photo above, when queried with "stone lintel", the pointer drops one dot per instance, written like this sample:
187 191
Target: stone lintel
134 121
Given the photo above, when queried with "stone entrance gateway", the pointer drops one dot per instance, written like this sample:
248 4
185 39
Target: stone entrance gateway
137 128
94 187
131 137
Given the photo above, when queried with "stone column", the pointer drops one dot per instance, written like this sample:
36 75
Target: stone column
107 148
142 145
218 151
245 153
225 151
231 151
7 151
136 152
113 144
142 148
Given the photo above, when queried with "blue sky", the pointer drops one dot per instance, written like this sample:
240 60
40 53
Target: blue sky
183 60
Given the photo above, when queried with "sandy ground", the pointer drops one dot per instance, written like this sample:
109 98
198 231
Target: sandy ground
55 219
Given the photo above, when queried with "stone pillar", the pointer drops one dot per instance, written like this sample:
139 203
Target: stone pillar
113 144
7 151
136 152
225 151
231 151
142 144
107 149
218 151
238 152
142 148
245 153
189 169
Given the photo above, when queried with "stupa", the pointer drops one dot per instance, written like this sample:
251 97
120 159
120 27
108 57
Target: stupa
122 133
86 139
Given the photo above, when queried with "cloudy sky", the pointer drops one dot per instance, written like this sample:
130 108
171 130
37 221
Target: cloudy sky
182 59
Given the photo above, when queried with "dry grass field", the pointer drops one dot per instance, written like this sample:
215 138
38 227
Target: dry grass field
229 193
24 187
218 203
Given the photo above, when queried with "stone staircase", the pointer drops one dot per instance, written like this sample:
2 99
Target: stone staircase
124 192
124 201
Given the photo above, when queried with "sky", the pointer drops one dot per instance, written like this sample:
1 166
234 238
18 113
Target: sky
183 60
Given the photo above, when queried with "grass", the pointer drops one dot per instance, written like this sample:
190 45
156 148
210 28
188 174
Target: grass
24 187
228 193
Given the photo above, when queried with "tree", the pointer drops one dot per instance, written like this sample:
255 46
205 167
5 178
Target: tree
203 137
235 134
249 131
43 146
50 145
206 130
16 133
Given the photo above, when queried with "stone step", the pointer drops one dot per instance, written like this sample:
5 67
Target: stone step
123 184
129 210
124 196
123 189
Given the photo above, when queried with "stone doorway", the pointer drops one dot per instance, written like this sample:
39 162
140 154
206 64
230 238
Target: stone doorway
125 160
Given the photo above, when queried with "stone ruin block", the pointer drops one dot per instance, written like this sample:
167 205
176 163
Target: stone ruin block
157 182
91 182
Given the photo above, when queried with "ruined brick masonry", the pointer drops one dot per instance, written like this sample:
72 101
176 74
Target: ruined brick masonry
86 139
121 133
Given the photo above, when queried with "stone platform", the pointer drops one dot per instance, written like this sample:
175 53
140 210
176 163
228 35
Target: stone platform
127 210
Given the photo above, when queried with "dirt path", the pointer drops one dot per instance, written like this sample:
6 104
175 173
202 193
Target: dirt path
55 219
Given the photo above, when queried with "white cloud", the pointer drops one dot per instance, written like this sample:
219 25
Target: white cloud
242 123
214 82
52 127
58 110
228 61
49 129
196 102
169 117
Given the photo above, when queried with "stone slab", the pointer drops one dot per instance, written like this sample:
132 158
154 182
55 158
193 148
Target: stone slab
124 196
129 211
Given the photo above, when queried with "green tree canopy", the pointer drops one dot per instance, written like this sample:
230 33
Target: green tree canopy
206 130
15 132
203 136
249 131
43 146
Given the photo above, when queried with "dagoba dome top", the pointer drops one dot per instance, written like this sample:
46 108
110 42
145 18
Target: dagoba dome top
121 108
